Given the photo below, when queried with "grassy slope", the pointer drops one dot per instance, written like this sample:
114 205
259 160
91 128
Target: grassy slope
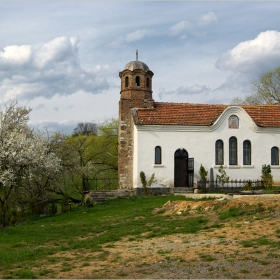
87 228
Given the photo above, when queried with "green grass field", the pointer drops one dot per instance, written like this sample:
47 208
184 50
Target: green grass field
34 239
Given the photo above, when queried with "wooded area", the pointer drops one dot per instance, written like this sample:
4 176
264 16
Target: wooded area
39 169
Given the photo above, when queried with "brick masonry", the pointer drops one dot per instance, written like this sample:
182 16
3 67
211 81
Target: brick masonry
131 96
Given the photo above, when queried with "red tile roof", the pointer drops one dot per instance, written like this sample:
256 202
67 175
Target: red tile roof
203 114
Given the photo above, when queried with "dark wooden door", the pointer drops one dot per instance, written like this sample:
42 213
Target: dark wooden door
181 168
181 176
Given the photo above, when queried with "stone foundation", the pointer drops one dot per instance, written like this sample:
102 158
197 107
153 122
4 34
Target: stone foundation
153 191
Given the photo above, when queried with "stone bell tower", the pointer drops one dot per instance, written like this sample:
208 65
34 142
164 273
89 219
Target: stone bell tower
136 92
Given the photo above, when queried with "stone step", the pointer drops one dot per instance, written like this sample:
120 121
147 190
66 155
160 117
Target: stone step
183 190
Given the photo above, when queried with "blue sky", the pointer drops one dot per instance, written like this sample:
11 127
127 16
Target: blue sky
63 58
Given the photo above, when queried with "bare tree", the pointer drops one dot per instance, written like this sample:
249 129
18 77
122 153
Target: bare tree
86 128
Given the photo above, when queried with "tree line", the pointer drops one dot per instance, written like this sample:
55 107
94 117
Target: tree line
39 168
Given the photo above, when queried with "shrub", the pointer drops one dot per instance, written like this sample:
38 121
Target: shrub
247 186
203 173
145 183
222 177
267 176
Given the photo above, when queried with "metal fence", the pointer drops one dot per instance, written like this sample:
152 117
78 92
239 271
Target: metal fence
233 186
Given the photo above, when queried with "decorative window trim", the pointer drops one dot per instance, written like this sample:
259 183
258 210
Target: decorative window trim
233 122
239 166
234 166
248 166
158 165
275 166
218 166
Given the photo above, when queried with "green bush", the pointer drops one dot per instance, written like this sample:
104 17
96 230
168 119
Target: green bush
222 177
145 183
203 173
247 186
267 176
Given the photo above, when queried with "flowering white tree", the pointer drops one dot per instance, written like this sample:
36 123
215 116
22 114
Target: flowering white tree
24 155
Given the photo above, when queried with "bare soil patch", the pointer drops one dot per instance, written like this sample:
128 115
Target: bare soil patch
247 246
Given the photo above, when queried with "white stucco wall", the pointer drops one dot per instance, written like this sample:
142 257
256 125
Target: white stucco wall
199 142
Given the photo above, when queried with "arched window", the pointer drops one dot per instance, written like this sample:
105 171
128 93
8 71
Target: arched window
219 152
137 80
157 155
126 81
274 156
246 152
232 151
233 122
147 82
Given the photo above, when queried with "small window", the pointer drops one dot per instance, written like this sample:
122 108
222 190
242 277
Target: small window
158 155
246 152
232 151
274 156
233 122
219 152
137 80
126 81
148 83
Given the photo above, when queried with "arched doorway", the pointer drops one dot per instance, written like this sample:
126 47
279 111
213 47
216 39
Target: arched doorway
183 169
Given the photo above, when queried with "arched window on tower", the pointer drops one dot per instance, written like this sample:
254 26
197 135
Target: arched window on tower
232 151
219 147
148 82
157 155
246 152
137 81
274 156
126 81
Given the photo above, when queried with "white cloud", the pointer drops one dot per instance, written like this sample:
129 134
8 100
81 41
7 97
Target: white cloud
61 49
136 35
257 55
179 27
250 59
207 19
64 112
185 25
15 55
54 68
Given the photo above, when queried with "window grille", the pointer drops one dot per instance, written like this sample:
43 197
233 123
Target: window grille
157 155
232 151
219 147
274 156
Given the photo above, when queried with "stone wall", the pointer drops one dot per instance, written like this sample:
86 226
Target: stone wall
132 96
153 191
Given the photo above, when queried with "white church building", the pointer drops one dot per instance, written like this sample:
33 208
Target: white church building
172 140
